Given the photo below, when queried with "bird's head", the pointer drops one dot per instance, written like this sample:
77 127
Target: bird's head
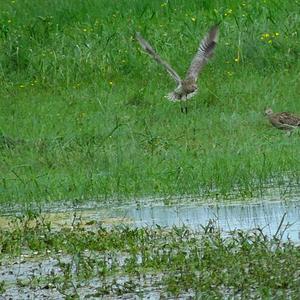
189 85
268 111
194 87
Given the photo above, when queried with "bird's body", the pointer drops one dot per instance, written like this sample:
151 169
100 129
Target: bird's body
186 88
283 120
184 91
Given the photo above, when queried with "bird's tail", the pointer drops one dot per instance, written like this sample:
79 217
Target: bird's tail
174 97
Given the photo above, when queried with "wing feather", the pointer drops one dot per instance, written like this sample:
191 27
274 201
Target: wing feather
146 46
290 119
205 51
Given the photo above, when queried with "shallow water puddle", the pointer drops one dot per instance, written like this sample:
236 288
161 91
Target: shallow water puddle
264 215
41 274
268 216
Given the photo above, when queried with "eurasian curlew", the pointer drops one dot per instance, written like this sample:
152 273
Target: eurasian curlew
187 87
283 120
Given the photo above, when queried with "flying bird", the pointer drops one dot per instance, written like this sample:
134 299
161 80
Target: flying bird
186 88
283 120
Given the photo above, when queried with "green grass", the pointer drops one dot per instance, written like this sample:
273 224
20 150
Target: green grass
83 113
123 261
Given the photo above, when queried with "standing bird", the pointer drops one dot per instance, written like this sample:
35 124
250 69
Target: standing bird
186 88
283 120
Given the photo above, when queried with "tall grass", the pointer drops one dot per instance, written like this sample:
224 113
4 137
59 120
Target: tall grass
82 107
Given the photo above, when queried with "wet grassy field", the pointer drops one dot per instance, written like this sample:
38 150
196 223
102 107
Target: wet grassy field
83 113
83 116
92 261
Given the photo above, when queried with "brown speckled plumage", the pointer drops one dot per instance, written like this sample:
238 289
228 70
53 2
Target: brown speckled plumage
186 88
283 120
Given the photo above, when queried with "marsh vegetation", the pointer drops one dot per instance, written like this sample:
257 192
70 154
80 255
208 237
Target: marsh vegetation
121 261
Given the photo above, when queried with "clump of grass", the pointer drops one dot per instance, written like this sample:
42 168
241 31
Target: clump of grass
88 104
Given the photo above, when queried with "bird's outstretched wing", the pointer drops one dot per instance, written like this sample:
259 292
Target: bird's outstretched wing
146 46
205 51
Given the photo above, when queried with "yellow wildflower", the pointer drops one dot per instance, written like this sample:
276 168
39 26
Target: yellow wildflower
237 59
193 19
228 12
265 35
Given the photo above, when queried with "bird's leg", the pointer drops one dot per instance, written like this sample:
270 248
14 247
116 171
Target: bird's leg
185 108
181 107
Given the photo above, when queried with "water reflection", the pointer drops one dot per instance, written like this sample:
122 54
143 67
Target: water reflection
264 215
